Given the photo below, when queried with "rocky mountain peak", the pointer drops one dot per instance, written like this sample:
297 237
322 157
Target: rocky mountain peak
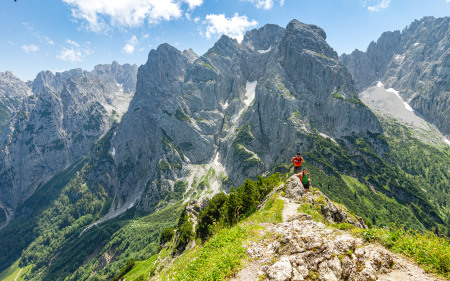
413 63
164 70
225 46
300 37
264 38
191 55
12 87
186 114
125 75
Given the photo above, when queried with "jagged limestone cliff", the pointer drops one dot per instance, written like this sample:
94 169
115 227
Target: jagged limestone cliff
244 106
58 124
413 62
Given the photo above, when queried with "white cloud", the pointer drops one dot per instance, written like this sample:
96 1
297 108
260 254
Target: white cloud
48 40
98 14
30 48
71 55
197 19
233 27
383 4
194 3
74 52
265 4
73 43
129 47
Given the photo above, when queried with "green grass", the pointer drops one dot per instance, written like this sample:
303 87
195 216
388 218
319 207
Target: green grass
314 212
337 94
207 65
426 248
224 253
272 212
427 165
219 257
369 185
12 272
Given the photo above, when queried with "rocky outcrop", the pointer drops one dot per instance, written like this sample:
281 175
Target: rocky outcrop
307 250
58 124
331 211
303 249
414 62
294 188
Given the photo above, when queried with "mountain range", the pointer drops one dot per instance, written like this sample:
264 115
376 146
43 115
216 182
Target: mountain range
83 154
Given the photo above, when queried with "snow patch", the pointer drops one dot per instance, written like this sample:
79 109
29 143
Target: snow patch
447 141
379 84
399 57
120 87
249 96
415 44
250 92
328 137
265 51
225 105
113 152
407 106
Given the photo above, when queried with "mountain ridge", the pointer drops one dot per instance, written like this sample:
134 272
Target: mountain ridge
415 63
57 125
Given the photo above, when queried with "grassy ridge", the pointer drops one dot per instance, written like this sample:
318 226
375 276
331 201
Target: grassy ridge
221 256
369 185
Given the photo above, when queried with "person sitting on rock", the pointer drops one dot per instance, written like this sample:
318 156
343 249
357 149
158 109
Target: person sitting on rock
298 161
305 179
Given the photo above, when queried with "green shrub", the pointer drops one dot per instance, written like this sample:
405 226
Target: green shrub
240 203
124 270
210 215
166 235
185 231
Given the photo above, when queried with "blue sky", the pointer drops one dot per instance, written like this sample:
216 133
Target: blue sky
58 35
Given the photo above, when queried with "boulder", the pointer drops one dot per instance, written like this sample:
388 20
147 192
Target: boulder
294 188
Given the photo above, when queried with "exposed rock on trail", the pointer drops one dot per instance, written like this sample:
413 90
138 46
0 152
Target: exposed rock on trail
300 248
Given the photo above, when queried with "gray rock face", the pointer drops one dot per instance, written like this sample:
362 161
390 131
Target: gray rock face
414 62
246 106
121 77
69 112
294 188
13 92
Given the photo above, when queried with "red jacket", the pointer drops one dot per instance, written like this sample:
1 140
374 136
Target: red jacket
297 162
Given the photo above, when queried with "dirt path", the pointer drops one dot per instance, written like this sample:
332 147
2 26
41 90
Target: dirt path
18 274
290 208
405 270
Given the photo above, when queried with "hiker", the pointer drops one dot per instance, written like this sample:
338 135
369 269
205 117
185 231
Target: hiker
305 179
298 161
